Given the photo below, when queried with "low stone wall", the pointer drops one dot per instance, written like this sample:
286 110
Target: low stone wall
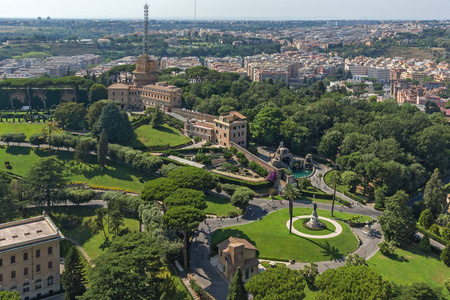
192 114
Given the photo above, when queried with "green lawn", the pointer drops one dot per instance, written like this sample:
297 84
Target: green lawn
149 135
219 206
299 226
114 175
27 128
84 234
411 265
272 238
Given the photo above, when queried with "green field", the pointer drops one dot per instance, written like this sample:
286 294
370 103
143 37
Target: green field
149 135
84 234
114 175
411 265
299 226
219 206
272 238
27 128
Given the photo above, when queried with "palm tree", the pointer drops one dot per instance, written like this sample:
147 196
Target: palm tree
291 193
336 179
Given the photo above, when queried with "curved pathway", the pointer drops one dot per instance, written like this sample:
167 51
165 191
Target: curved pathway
337 232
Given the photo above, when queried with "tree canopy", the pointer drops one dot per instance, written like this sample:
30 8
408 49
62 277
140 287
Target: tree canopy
193 178
115 123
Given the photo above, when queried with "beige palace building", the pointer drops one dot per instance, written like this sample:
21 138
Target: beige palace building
29 257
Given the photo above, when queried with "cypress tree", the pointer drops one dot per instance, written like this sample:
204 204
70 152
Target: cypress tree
73 277
237 290
102 150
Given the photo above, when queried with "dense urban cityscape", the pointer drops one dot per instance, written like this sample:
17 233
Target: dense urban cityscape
224 159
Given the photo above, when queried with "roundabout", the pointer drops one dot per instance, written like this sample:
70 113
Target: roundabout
337 231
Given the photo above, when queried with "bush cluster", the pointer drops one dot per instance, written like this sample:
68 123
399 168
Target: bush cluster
135 158
258 169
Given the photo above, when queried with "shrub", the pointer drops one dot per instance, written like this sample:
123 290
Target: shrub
197 139
227 166
446 233
386 248
445 256
227 155
234 169
229 189
243 161
233 150
207 144
447 284
258 169
165 169
232 214
434 229
240 155
426 219
199 157
424 244
219 188
206 160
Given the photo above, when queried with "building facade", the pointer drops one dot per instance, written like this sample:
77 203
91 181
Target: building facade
231 127
29 257
234 253
161 95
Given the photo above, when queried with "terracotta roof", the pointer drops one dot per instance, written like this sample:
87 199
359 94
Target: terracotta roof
119 86
240 116
231 241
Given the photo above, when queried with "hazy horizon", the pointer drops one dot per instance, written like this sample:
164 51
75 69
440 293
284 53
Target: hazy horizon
229 10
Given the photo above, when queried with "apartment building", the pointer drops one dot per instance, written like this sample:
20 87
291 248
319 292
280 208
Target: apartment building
29 257
231 127
161 95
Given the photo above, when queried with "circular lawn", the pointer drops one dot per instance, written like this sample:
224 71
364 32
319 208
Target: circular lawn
273 241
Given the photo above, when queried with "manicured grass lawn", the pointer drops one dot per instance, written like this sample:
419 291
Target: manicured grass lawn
84 234
307 199
114 175
149 135
27 128
411 265
219 206
299 226
272 238
266 264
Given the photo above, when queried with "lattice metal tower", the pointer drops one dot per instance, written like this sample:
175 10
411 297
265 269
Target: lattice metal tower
146 29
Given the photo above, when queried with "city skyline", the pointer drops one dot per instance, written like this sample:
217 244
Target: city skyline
230 10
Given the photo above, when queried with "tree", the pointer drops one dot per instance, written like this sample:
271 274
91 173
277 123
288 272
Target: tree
445 255
291 193
116 220
242 196
37 139
99 225
183 197
183 219
7 295
237 291
95 110
193 178
6 202
158 189
83 149
386 248
351 179
97 92
421 291
309 273
355 260
102 150
12 137
73 277
424 243
157 117
70 114
434 196
127 270
353 282
336 179
45 175
279 283
431 107
397 222
426 219
115 123
330 143
265 128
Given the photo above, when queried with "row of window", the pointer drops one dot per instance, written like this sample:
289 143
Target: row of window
25 270
38 284
239 134
25 256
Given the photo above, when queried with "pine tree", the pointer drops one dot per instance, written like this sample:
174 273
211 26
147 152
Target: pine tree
102 150
115 123
73 277
237 290
424 244
434 196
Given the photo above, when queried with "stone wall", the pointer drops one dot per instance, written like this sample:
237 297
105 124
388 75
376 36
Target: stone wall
192 114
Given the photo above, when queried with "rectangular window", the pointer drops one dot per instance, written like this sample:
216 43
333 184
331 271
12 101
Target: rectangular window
38 253
38 268
26 287
25 256
50 250
234 135
50 264
1 277
239 134
50 281
1 262
13 259
38 284
224 135
13 274
25 271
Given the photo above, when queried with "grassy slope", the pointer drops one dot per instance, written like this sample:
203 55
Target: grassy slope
272 238
26 128
219 206
152 136
411 265
114 175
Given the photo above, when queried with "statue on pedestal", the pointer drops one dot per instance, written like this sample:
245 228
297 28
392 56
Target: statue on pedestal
314 221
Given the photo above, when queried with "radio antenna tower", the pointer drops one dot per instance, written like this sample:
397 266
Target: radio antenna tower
146 29
195 12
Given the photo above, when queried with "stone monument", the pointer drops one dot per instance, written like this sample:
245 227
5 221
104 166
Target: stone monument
314 221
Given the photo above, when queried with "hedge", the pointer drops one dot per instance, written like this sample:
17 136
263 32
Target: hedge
354 197
431 235
203 149
225 179
319 196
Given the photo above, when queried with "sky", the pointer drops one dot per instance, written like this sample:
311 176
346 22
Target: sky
229 9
